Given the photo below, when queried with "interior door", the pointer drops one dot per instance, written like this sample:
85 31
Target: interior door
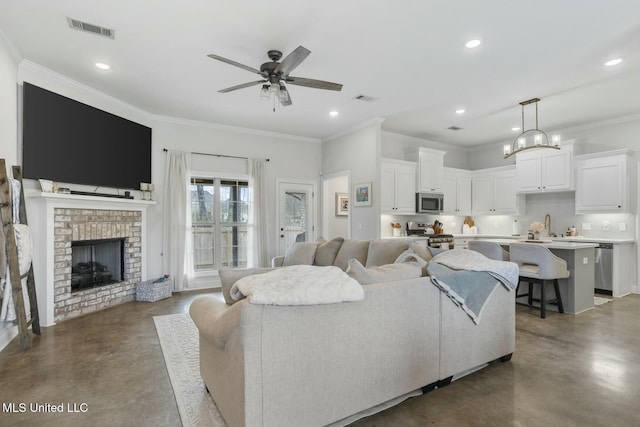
295 214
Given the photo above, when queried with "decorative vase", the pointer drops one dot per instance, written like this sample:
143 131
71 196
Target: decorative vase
536 235
396 232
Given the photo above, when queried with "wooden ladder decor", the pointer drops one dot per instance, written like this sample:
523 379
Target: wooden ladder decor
6 215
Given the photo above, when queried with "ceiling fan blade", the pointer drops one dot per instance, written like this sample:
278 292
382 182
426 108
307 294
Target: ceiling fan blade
234 63
317 84
292 60
242 86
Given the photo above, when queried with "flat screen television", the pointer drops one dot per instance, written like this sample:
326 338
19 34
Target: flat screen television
70 142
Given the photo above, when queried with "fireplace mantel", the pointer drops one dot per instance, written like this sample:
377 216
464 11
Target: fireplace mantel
93 202
43 211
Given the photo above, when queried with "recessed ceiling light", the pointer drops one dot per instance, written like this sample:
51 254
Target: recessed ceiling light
103 66
460 111
515 128
333 113
613 62
472 43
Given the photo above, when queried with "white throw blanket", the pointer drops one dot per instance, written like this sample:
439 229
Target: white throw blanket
463 259
299 285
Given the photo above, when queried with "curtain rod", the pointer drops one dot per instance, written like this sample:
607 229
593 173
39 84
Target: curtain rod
217 155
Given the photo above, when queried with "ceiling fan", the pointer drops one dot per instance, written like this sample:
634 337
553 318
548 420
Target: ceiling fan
275 74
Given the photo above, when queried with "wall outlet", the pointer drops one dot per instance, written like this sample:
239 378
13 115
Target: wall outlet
585 260
605 225
622 226
586 226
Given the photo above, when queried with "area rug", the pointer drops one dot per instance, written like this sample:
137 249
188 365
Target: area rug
179 342
600 300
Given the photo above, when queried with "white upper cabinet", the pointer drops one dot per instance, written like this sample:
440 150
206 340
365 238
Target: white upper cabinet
398 187
604 183
430 176
545 170
493 191
457 191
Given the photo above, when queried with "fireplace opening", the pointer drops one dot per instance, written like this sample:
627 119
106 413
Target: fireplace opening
96 263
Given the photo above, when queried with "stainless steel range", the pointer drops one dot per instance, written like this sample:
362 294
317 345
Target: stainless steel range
442 241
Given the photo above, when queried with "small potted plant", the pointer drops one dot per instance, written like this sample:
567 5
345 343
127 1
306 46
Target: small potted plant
536 227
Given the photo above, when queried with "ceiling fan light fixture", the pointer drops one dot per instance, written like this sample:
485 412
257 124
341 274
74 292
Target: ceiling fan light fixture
530 138
283 94
264 92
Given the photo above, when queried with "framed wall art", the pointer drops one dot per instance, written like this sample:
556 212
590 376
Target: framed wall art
342 204
362 194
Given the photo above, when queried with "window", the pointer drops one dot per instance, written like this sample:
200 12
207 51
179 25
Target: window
219 213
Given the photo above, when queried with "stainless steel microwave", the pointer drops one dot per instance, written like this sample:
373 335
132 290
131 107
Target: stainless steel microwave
429 202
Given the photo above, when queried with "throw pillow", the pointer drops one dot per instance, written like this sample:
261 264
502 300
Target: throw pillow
301 253
411 257
230 276
386 251
327 251
351 249
383 273
421 251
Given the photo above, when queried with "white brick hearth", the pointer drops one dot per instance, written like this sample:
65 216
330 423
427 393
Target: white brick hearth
58 219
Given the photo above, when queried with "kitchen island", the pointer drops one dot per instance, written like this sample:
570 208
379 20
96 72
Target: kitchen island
577 289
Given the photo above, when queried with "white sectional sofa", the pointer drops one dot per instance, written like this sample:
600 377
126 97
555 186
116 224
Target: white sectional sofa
331 364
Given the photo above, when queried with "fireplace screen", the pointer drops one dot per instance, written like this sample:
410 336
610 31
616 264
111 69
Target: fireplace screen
96 263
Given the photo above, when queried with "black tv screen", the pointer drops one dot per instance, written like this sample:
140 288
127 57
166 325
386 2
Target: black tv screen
70 142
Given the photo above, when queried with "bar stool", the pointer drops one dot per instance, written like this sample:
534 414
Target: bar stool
539 265
489 249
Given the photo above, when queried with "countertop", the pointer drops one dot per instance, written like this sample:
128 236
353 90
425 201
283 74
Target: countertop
557 244
578 239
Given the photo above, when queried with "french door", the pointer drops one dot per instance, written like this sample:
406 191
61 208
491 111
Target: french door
296 213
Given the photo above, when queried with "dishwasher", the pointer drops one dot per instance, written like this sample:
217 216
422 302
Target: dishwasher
604 269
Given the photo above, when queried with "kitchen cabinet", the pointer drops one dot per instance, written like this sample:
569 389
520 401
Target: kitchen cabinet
604 182
493 191
430 175
398 187
457 191
545 170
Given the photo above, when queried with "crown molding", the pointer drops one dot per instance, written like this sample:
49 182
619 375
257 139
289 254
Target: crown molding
11 48
234 129
375 120
29 65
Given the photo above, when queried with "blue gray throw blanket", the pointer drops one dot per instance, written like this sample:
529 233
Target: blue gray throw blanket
467 289
468 278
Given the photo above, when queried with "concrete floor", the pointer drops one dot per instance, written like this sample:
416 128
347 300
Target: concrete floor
568 370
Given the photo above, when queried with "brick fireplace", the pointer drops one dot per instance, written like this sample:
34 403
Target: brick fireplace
58 220
77 225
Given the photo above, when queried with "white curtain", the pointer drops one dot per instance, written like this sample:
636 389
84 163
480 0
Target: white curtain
258 242
176 223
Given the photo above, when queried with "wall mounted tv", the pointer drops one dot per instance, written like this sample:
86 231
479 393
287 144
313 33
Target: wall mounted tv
70 142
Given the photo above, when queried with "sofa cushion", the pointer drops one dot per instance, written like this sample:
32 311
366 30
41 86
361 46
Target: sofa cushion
383 252
327 251
301 253
382 273
229 276
351 249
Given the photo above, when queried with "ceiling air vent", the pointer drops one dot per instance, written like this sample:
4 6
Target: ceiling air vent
365 98
454 128
90 28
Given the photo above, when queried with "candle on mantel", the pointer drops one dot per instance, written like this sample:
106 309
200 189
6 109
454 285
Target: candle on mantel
144 186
